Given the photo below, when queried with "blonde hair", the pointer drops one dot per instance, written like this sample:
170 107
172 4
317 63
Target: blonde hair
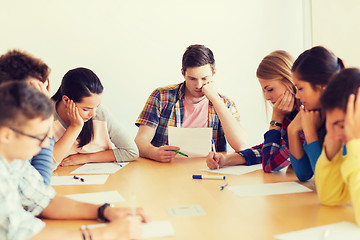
277 66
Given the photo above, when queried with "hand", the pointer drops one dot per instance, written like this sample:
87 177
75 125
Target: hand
40 86
284 105
75 159
311 122
352 117
214 160
331 145
72 113
295 125
122 229
112 214
209 91
166 153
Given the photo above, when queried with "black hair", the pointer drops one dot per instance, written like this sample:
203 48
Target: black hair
317 65
197 56
76 84
340 87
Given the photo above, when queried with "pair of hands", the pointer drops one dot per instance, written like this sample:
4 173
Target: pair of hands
307 120
122 224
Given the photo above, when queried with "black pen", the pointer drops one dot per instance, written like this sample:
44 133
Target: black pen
79 178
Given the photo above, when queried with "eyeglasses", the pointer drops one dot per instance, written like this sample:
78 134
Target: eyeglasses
41 140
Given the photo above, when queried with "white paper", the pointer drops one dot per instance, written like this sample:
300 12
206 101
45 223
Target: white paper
98 197
335 231
186 211
195 142
268 189
69 180
99 168
154 229
235 170
157 229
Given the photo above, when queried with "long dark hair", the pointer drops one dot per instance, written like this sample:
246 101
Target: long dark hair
317 65
76 84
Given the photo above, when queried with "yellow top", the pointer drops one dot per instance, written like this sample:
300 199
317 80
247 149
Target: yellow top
338 180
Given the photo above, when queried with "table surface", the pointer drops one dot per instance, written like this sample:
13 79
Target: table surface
161 185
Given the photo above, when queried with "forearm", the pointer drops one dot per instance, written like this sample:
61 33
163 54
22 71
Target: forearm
51 233
295 144
64 144
234 132
146 149
311 135
61 207
43 162
103 156
234 159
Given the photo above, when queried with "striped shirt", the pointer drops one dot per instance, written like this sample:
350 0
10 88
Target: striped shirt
165 107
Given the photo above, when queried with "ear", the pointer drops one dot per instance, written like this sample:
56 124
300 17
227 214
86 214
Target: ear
65 99
5 134
182 72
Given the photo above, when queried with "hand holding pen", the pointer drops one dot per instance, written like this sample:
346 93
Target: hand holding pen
166 153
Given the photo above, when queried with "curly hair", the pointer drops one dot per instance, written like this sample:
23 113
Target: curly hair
20 65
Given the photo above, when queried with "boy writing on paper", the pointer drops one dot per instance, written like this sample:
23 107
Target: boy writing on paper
337 172
25 121
193 103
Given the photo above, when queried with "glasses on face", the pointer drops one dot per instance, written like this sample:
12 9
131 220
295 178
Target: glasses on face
41 140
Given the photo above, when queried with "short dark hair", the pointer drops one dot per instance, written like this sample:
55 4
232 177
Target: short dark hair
76 84
340 87
20 102
317 65
197 56
20 65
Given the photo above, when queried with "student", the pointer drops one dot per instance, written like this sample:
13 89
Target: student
83 130
274 75
337 171
17 65
191 104
25 120
311 73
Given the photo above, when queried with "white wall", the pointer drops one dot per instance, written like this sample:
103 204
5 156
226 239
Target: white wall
336 25
136 46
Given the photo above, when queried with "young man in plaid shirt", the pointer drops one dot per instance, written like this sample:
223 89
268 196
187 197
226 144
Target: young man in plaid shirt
193 103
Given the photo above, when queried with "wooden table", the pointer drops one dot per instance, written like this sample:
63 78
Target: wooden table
161 185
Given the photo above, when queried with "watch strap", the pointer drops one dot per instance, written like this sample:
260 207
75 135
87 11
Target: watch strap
101 210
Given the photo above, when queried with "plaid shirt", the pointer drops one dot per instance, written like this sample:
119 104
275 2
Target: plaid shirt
274 152
23 195
165 107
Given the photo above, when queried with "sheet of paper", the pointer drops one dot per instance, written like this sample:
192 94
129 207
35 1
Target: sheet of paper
157 229
99 168
236 170
335 231
268 189
98 197
195 142
69 180
154 229
186 211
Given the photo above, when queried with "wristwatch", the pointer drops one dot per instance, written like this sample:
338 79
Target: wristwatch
101 210
274 123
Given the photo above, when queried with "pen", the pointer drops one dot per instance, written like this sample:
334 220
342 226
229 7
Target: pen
214 150
217 177
223 186
79 178
180 153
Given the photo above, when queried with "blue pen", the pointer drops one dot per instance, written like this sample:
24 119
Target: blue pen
223 186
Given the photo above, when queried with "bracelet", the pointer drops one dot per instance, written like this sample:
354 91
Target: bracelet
101 210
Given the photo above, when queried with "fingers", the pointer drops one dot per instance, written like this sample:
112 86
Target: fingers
210 161
144 217
166 153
